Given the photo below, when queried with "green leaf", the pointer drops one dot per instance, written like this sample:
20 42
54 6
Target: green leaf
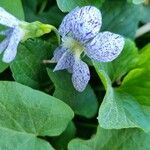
28 67
14 8
120 17
32 4
145 11
3 65
119 108
27 114
30 10
68 5
48 16
137 83
125 139
117 68
144 58
11 139
61 141
136 1
84 104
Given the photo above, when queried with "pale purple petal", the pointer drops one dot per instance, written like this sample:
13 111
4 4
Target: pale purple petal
87 23
7 19
11 49
105 47
4 44
66 25
65 62
59 51
80 76
82 23
6 32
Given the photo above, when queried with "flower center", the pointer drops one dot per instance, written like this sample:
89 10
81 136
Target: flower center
73 45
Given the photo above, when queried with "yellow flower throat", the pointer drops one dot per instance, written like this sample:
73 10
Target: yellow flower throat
73 45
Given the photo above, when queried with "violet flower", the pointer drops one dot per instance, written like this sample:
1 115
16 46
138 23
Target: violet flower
18 31
13 35
80 33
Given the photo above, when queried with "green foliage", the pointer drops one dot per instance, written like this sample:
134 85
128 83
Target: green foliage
67 5
137 81
115 69
120 109
112 113
61 141
145 11
136 1
117 17
125 139
27 114
144 59
28 67
15 8
133 85
49 16
84 104
3 65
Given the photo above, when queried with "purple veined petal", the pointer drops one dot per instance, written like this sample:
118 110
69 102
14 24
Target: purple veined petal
7 19
11 50
4 44
65 62
6 32
87 23
59 51
82 23
66 25
80 75
105 47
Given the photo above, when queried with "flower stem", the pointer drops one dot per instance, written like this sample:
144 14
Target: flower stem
57 34
42 7
48 61
142 30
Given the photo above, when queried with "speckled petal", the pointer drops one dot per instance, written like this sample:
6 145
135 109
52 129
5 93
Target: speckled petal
7 19
80 76
11 49
59 51
87 23
105 47
65 62
3 45
6 32
82 23
66 25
